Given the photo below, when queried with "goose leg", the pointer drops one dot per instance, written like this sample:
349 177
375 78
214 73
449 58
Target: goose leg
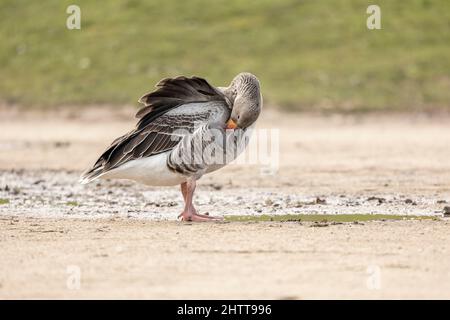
189 213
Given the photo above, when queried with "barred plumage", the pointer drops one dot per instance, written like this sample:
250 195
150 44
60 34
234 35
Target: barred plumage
181 134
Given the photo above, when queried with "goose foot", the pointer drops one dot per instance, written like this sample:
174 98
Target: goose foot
192 216
189 213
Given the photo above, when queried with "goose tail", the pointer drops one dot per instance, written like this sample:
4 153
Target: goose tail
90 175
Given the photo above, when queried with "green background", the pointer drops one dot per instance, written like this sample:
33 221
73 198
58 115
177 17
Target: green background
309 55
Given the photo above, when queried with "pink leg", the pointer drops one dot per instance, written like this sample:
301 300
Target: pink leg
189 213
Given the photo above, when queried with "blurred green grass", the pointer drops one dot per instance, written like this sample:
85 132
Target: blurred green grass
309 55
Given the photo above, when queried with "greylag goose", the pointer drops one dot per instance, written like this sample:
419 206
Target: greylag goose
183 129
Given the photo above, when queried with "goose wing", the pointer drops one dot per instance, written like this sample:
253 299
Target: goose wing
175 109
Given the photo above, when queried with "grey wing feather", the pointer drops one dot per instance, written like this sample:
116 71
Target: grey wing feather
173 92
158 130
160 136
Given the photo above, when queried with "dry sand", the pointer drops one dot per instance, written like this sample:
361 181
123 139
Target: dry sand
124 241
147 259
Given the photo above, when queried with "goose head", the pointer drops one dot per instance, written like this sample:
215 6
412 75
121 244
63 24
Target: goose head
245 95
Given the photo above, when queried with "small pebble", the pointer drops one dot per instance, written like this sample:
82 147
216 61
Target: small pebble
447 211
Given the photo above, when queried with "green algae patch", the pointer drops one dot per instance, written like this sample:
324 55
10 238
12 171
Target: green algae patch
323 217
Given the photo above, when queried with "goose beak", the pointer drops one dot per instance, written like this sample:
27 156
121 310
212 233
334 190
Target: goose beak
231 124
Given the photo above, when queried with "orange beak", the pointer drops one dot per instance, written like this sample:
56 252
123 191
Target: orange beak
231 124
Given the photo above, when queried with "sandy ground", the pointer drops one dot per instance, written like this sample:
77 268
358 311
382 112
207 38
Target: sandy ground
123 240
146 259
